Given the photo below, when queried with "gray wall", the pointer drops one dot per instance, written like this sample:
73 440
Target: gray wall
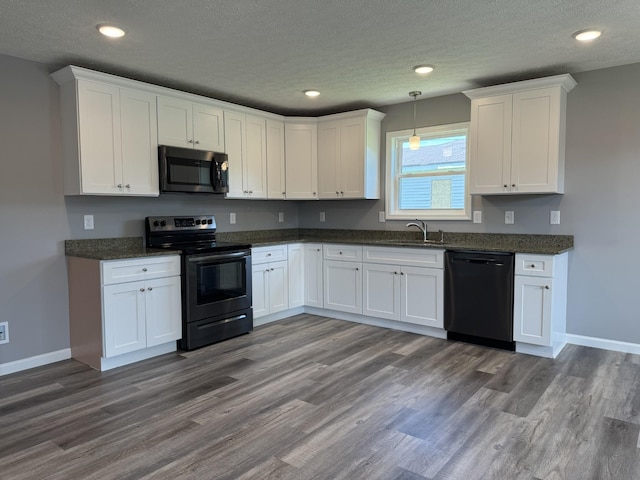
603 146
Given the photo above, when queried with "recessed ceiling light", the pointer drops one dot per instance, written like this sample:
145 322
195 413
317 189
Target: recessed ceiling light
311 93
110 31
587 35
423 69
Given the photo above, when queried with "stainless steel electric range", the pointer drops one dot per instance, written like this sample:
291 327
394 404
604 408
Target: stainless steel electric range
216 278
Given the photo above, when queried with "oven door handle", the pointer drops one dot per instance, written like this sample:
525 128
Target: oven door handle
219 256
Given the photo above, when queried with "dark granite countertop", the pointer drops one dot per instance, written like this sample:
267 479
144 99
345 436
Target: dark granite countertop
495 242
112 248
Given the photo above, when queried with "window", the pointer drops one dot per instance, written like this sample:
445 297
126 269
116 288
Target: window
430 183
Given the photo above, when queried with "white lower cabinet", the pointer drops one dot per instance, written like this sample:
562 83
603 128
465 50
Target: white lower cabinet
395 290
540 302
123 310
313 274
295 264
270 280
342 275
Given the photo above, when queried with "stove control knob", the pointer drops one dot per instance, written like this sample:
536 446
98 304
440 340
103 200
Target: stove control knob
156 223
163 223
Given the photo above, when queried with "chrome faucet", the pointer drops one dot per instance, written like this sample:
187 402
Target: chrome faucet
422 226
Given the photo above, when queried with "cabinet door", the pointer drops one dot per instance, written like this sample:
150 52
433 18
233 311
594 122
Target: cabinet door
260 290
352 158
163 311
100 138
139 143
255 171
275 160
175 122
301 159
343 286
208 128
235 142
124 318
536 141
278 287
490 145
313 271
296 275
381 291
532 310
329 170
423 296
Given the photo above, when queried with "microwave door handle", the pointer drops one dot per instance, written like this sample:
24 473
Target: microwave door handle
212 174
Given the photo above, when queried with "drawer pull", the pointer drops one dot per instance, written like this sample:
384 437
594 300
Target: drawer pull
142 289
144 269
150 288
268 254
546 287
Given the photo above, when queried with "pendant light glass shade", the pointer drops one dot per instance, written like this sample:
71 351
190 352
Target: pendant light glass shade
414 140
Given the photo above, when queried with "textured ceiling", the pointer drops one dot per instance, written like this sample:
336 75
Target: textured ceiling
358 53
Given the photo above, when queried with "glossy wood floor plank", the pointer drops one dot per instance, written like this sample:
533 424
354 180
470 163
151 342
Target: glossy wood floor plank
311 398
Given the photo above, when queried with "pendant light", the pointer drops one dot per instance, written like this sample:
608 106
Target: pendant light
414 140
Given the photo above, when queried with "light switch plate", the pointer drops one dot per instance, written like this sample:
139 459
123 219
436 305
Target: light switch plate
322 217
509 217
554 217
232 218
477 216
88 222
381 218
281 217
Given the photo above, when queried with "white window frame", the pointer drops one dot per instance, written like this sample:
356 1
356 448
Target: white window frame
392 167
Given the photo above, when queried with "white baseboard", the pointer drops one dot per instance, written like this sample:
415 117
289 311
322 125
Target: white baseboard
32 362
603 343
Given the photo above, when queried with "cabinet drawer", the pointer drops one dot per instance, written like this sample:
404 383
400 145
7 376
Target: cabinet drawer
268 254
120 271
346 253
416 257
534 265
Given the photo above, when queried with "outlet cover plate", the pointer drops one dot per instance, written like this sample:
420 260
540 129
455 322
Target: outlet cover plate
554 217
381 218
232 218
322 217
509 217
477 216
281 217
88 222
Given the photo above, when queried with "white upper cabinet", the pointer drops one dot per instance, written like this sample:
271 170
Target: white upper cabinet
301 159
186 124
517 136
246 142
349 155
109 136
275 160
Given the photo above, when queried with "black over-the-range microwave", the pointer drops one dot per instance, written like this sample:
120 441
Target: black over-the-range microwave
185 170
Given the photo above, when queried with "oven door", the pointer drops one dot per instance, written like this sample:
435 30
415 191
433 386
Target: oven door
216 284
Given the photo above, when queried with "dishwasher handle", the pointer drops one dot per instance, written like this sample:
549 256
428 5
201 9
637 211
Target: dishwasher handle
479 261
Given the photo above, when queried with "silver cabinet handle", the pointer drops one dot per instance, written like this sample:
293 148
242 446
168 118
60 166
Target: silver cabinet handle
128 186
547 287
395 273
190 141
284 193
513 185
337 193
533 266
342 193
271 270
197 142
142 289
401 273
314 194
144 269
317 249
250 191
119 185
150 288
506 186
268 254
340 253
357 269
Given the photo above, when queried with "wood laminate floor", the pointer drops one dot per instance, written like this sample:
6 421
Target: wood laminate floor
316 398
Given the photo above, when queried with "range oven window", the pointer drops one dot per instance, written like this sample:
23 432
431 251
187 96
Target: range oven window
220 281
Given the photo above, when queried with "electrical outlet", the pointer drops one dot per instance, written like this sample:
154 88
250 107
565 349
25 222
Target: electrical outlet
509 217
4 332
322 217
381 218
477 216
281 217
232 218
88 222
554 217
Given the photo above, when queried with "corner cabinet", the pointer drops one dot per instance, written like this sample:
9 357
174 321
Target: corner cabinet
122 311
301 158
517 136
349 155
109 135
182 123
540 303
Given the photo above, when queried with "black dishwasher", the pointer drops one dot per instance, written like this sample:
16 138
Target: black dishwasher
478 298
